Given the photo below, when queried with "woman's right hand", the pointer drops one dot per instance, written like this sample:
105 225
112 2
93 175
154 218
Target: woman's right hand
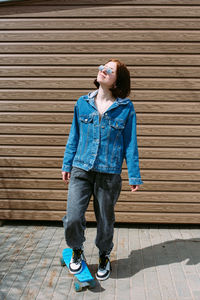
66 177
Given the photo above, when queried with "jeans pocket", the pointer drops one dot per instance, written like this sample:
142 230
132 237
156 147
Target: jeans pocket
75 171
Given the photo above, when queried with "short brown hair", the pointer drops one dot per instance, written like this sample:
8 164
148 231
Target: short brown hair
122 87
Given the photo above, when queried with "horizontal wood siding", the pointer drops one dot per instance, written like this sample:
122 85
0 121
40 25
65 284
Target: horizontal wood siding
49 55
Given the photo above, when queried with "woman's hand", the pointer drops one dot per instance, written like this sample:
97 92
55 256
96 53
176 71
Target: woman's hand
134 188
66 176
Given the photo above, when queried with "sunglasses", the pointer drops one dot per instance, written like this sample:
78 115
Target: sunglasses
107 70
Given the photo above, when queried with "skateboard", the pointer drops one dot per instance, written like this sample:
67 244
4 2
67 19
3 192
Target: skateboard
84 278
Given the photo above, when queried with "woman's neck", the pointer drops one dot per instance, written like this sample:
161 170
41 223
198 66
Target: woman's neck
104 94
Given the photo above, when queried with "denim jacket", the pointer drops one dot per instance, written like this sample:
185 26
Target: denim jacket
102 145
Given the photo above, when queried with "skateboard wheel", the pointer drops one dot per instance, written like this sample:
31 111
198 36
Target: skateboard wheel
92 284
78 287
62 262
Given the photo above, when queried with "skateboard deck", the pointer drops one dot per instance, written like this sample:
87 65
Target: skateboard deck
84 278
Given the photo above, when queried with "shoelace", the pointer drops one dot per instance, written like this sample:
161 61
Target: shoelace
76 255
103 261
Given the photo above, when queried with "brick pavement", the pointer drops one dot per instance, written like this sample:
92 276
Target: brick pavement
150 262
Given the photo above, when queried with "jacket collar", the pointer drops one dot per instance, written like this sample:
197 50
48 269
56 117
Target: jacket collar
119 101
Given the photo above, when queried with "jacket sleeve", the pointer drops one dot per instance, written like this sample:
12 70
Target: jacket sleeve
72 143
131 149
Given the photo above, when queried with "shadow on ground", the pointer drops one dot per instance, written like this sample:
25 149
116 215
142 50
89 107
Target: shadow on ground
165 253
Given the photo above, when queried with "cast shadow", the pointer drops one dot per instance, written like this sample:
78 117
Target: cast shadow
165 253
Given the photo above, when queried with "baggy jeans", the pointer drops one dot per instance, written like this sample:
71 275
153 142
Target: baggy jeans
105 189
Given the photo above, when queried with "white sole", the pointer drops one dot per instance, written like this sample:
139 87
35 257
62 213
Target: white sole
74 272
102 278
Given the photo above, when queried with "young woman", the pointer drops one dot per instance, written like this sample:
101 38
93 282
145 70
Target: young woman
103 133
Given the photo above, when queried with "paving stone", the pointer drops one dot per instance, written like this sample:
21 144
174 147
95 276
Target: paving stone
137 286
32 280
62 288
14 265
196 295
138 289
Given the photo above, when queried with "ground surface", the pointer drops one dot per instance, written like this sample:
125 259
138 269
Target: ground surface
149 262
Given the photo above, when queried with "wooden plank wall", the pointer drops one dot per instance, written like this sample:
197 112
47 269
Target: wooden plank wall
49 55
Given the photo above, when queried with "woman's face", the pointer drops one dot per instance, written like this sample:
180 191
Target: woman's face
108 79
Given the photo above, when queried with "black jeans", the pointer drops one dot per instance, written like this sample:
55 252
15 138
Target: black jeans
106 190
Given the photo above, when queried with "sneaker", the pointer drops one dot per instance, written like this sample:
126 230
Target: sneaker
75 265
104 268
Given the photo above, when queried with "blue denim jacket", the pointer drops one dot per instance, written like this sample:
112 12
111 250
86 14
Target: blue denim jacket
102 146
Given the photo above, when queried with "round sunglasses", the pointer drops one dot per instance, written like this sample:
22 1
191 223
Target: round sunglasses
107 70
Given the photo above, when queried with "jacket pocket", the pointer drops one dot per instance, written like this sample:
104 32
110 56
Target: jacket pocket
86 119
117 124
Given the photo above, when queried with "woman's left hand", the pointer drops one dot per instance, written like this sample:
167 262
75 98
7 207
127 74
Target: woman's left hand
134 188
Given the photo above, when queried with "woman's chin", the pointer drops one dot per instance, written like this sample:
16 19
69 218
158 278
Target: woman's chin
104 84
